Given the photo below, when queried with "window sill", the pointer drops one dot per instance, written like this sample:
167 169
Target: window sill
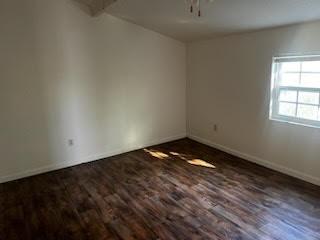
294 123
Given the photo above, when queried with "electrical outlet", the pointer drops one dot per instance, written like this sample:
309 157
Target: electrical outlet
215 127
70 142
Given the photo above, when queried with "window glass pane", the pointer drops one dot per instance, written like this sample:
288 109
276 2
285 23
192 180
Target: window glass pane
310 80
311 66
298 83
308 112
287 109
288 96
289 79
290 67
308 97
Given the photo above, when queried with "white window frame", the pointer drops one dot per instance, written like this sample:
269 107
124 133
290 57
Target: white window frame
275 92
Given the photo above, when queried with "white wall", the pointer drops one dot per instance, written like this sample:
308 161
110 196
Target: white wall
229 84
110 85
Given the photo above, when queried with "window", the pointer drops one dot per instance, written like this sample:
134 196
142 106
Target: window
295 92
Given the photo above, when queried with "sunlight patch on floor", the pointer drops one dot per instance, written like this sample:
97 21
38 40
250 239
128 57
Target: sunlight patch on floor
199 162
195 162
175 154
157 154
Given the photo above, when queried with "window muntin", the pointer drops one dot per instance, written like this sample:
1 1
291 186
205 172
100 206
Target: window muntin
295 93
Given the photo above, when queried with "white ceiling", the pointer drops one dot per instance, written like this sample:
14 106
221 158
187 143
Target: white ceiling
172 18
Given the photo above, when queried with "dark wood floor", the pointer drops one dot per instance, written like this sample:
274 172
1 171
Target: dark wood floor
161 192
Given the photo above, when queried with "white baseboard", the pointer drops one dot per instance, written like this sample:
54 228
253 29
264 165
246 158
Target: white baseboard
57 166
259 161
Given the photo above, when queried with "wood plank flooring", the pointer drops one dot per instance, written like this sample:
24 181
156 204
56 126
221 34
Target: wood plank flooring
179 190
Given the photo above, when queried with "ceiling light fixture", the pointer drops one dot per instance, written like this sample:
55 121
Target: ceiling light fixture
195 5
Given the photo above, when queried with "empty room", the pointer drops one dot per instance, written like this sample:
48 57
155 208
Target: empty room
159 119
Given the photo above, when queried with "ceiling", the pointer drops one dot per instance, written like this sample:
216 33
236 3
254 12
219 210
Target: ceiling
172 17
